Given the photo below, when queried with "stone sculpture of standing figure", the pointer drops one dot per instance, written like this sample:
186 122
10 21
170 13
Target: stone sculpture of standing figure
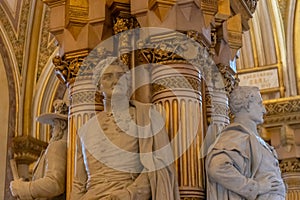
48 181
240 164
124 151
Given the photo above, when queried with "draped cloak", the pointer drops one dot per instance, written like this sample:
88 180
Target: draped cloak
236 162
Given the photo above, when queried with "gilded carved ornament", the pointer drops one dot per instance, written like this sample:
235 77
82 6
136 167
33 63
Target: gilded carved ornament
27 149
66 70
230 79
121 25
290 165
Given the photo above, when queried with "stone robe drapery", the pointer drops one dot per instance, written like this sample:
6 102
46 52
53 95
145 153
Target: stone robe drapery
236 162
116 154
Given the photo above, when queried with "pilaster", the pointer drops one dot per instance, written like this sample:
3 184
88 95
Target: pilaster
281 128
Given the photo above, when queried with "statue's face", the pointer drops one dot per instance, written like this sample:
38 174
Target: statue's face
257 110
111 82
56 129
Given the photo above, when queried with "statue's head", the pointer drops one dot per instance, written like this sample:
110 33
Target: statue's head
110 77
247 100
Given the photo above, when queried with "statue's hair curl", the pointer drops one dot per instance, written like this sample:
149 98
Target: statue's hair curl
241 97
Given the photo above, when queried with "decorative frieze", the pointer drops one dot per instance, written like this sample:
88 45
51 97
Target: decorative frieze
283 110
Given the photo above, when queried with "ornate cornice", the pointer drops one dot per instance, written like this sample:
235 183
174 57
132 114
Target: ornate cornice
175 47
282 110
27 149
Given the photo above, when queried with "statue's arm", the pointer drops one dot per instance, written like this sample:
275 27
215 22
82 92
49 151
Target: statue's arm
53 182
226 171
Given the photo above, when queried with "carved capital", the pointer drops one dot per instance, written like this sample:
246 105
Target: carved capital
229 77
27 149
67 68
174 47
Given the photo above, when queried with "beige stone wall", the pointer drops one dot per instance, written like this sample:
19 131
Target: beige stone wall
4 101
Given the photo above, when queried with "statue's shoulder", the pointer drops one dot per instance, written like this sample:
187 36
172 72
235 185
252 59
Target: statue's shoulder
233 136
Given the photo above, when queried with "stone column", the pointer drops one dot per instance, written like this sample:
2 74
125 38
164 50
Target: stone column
177 93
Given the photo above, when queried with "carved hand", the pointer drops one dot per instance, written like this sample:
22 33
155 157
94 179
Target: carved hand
268 184
20 189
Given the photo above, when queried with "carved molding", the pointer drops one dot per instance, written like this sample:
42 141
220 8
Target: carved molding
176 82
245 8
283 110
52 3
121 25
161 7
209 7
27 149
290 165
77 16
229 77
119 7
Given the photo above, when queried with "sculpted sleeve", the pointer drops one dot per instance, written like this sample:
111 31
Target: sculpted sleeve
225 168
53 182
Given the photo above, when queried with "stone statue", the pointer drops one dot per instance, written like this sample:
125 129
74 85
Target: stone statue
240 164
48 181
123 152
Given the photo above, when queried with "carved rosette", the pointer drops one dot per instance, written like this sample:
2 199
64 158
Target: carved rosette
27 149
